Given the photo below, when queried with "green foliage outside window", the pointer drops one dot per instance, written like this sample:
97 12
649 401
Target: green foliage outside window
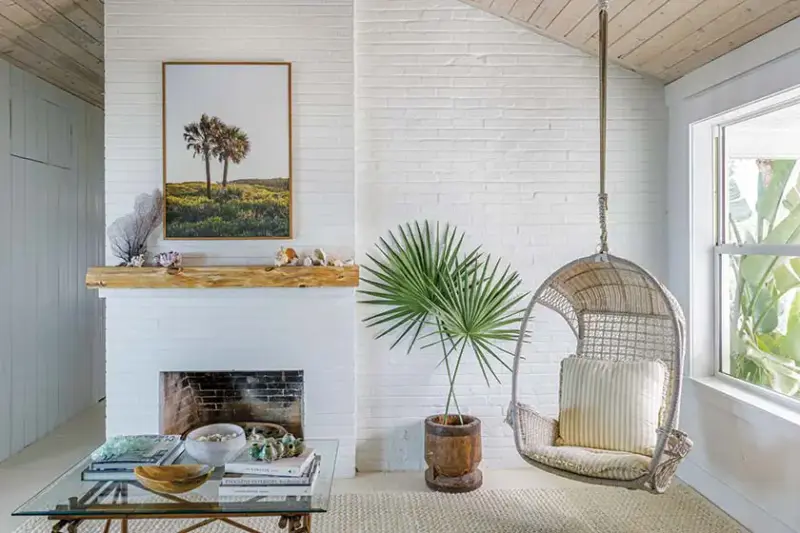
765 315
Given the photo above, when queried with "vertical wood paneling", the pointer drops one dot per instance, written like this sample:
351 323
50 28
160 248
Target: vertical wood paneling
95 208
19 294
51 231
5 264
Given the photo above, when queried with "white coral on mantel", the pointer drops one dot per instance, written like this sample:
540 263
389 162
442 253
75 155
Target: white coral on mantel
136 261
307 261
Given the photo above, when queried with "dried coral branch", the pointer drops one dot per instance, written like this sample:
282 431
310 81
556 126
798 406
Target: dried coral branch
128 234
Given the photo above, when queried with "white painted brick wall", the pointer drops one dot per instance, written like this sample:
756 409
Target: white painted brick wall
460 117
467 118
233 330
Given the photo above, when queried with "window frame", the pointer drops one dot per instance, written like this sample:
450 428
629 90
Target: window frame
723 249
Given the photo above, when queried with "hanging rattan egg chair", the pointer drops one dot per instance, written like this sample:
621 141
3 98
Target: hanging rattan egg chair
617 312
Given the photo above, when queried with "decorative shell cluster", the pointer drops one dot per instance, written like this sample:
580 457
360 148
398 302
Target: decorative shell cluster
165 259
168 259
289 257
217 437
271 449
136 261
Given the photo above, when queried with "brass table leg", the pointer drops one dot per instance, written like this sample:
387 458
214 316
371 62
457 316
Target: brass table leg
71 525
295 523
124 526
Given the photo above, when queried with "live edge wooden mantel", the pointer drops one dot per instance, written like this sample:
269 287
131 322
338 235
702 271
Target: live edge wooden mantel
221 277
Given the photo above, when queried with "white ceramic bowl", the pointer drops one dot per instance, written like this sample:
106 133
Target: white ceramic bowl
215 453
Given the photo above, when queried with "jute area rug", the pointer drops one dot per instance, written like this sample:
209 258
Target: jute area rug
573 510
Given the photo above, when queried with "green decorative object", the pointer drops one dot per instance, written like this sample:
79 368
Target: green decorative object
271 449
124 445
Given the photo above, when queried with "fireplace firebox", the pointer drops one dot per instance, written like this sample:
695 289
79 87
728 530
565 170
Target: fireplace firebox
193 399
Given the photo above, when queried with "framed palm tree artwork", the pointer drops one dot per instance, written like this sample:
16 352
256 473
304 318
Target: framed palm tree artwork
227 141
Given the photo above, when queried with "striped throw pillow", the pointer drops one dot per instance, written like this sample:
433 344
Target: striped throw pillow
610 405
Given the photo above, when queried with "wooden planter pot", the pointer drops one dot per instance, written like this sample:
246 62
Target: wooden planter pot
452 453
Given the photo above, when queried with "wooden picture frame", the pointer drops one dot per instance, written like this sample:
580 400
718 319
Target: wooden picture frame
256 202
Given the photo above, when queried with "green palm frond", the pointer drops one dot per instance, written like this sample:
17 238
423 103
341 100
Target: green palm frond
429 288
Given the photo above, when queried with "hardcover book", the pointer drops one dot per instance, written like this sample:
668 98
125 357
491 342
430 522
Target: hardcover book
267 491
252 480
126 474
287 467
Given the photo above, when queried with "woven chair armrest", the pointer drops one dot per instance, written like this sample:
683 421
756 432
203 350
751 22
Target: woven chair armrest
678 446
535 428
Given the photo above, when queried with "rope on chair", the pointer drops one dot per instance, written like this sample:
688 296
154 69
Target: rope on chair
602 198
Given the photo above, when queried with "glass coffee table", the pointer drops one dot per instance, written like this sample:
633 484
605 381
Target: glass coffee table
68 501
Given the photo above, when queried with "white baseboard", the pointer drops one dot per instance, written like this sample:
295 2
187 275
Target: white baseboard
732 502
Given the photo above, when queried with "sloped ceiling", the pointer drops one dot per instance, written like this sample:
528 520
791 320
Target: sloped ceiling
666 39
60 41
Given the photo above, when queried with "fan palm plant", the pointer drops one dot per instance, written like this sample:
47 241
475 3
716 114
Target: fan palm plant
232 146
201 138
432 292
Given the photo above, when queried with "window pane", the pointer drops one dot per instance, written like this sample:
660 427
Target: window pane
762 194
760 305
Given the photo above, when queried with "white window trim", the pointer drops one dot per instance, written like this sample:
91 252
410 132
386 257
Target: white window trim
704 368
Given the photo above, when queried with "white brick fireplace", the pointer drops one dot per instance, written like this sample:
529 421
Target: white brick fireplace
234 329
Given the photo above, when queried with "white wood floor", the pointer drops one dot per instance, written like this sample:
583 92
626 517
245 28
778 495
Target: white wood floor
26 473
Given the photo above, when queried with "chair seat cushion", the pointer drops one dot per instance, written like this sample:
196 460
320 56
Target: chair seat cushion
605 464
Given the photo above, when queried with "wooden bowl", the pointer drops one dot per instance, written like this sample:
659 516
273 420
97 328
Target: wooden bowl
172 479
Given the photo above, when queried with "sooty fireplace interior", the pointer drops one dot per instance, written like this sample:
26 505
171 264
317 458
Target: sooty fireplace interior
193 399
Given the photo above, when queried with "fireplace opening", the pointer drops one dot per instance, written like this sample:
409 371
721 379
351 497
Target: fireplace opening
193 399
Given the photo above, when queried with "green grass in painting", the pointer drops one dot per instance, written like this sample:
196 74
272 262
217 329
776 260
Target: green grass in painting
247 208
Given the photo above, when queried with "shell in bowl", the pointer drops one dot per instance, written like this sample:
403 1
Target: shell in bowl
215 444
172 479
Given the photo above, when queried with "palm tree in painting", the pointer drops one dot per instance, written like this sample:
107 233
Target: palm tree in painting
201 139
232 146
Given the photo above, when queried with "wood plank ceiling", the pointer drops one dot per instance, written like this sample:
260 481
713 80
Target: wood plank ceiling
663 38
60 41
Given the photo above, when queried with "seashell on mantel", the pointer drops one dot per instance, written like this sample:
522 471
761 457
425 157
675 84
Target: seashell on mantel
319 257
168 259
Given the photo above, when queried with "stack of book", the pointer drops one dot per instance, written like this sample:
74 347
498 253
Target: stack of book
151 450
293 476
